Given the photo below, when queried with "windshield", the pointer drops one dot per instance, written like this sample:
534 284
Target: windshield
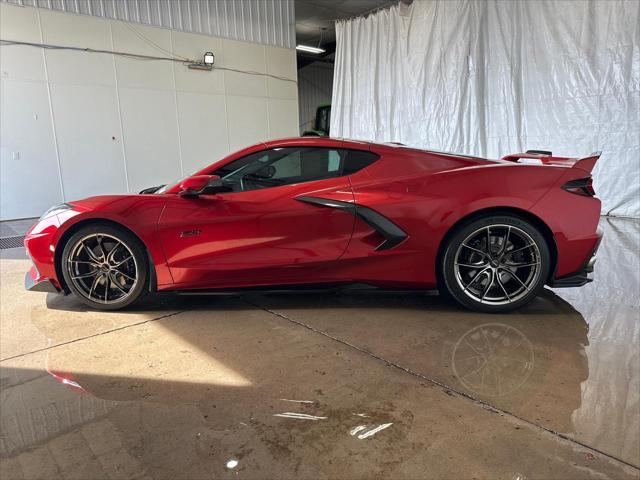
164 188
172 183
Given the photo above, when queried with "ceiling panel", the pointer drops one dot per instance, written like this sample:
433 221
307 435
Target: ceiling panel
315 18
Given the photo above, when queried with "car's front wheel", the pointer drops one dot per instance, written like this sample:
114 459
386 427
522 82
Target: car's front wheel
104 266
495 264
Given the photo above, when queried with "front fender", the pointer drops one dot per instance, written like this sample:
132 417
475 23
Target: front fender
137 213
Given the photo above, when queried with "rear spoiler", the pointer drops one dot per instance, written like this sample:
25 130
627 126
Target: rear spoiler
547 158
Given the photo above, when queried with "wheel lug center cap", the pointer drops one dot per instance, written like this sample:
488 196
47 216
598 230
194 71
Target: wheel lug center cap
494 263
105 267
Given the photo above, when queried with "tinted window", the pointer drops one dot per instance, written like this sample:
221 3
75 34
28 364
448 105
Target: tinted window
281 166
357 160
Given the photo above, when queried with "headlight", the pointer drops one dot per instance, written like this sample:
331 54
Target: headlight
63 207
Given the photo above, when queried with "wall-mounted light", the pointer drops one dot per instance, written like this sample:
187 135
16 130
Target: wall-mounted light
306 48
206 64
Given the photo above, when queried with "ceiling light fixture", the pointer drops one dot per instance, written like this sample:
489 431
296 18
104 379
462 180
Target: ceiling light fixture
306 48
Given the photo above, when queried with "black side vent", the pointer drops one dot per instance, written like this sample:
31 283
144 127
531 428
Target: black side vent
393 235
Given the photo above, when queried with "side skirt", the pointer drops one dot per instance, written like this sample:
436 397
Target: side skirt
355 288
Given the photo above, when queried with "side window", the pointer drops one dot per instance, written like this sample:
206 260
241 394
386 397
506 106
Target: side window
357 160
239 164
281 166
289 166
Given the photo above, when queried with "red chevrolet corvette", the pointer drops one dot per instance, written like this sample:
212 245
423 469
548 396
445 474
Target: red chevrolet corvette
328 212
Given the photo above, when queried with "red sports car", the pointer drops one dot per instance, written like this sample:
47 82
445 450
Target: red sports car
327 212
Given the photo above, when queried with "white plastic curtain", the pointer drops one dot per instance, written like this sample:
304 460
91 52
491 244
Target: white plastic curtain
490 78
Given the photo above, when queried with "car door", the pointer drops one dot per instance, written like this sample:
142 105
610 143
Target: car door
258 232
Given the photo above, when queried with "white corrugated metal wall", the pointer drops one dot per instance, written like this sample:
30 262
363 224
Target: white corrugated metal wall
75 124
271 22
315 84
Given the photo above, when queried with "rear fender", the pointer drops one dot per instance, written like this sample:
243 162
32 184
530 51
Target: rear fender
469 190
573 219
427 208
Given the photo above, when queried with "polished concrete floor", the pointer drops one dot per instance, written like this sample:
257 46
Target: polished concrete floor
339 386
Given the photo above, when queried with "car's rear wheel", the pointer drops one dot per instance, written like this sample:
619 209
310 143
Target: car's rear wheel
496 263
104 266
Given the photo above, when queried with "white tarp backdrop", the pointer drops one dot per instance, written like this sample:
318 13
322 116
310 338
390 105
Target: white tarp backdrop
489 78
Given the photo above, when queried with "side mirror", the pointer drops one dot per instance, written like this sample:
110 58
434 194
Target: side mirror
215 184
194 186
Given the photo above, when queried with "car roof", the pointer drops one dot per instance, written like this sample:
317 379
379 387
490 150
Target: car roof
356 144
318 141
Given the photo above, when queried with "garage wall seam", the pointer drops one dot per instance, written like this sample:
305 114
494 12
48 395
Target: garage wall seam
226 111
175 101
266 84
124 151
53 122
447 389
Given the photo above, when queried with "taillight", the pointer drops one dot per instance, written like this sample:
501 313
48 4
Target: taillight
581 186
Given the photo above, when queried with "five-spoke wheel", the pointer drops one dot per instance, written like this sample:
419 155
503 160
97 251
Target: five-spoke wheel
495 264
104 266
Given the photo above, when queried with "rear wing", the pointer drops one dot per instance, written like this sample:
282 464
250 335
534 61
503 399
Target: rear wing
546 158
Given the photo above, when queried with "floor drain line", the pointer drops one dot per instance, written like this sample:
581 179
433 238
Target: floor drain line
11 242
447 388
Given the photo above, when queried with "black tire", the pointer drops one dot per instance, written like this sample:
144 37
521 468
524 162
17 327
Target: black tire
101 261
479 281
